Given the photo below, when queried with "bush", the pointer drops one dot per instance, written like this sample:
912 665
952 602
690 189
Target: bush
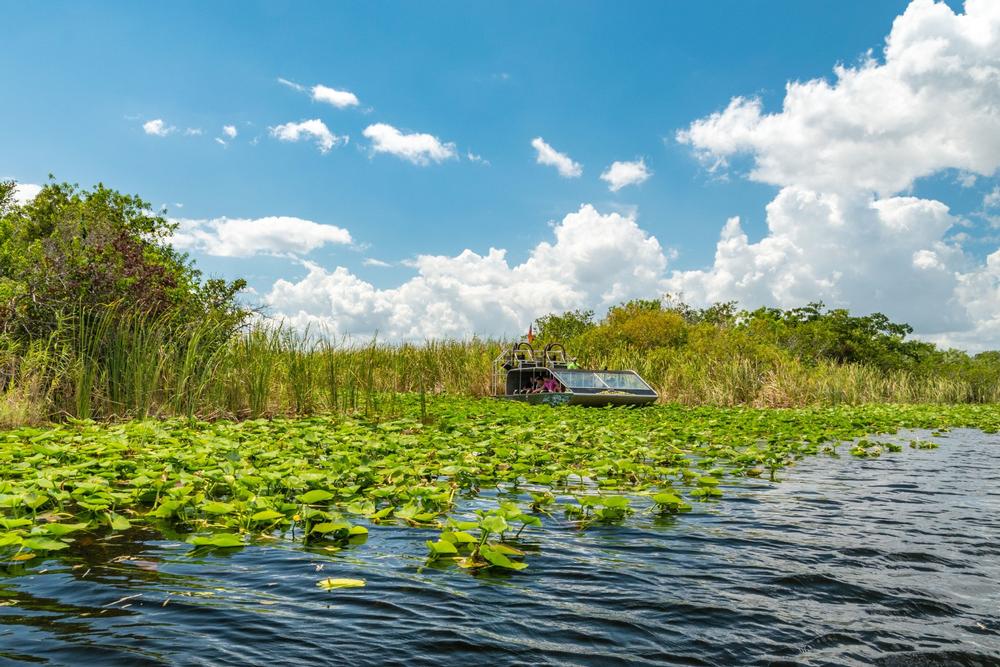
71 250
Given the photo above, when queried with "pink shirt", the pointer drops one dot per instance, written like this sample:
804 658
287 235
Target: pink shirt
550 384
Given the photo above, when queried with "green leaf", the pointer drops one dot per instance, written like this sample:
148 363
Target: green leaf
494 524
457 537
330 527
315 496
441 547
7 539
267 515
216 507
495 557
43 544
222 540
506 549
36 501
118 522
60 529
667 499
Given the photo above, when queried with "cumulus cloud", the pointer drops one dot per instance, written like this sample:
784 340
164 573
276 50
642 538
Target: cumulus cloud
241 237
157 128
886 255
841 152
594 260
620 174
930 106
320 93
308 129
418 148
338 98
229 131
549 156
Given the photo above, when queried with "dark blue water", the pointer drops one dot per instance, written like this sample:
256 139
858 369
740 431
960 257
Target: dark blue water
892 561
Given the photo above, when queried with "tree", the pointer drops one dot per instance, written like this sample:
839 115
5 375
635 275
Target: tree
561 328
70 249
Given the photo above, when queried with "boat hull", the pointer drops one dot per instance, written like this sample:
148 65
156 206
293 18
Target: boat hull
568 398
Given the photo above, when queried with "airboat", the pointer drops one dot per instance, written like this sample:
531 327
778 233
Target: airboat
549 376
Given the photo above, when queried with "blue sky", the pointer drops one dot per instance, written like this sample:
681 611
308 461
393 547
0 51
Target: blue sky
600 82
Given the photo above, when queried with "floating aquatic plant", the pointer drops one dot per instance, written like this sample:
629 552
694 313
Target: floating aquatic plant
327 481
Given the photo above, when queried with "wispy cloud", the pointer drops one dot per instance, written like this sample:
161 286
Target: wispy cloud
292 85
547 155
371 261
320 93
472 157
992 198
309 129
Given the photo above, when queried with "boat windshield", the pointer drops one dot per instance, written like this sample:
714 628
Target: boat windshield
624 380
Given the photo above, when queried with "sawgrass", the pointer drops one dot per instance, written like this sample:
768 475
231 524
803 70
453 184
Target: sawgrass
113 365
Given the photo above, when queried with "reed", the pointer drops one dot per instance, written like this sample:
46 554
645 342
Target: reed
111 364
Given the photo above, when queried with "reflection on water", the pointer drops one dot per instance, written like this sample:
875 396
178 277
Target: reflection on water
894 560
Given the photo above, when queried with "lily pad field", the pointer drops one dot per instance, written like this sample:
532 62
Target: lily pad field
326 481
478 496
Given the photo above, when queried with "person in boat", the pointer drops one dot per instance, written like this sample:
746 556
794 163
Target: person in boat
551 385
536 385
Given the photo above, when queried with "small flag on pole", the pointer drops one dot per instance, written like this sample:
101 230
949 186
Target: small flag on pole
531 335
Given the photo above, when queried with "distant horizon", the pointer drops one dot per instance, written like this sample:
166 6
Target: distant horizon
460 173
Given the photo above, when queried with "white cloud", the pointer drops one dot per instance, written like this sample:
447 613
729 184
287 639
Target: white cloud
371 261
992 198
25 192
315 129
593 261
220 141
240 237
320 93
847 251
193 132
553 158
472 157
338 98
966 180
157 128
620 174
418 148
229 131
933 105
292 85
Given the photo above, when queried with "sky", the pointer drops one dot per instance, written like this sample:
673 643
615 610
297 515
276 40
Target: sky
458 169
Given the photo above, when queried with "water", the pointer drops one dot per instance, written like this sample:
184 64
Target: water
893 561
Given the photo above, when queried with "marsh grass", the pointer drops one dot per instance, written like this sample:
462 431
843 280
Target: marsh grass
114 365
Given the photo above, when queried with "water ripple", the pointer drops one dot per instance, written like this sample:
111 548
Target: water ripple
890 561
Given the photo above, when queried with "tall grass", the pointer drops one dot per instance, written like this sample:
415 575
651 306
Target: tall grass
111 364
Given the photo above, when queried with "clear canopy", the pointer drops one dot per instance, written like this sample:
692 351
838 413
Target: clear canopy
620 380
